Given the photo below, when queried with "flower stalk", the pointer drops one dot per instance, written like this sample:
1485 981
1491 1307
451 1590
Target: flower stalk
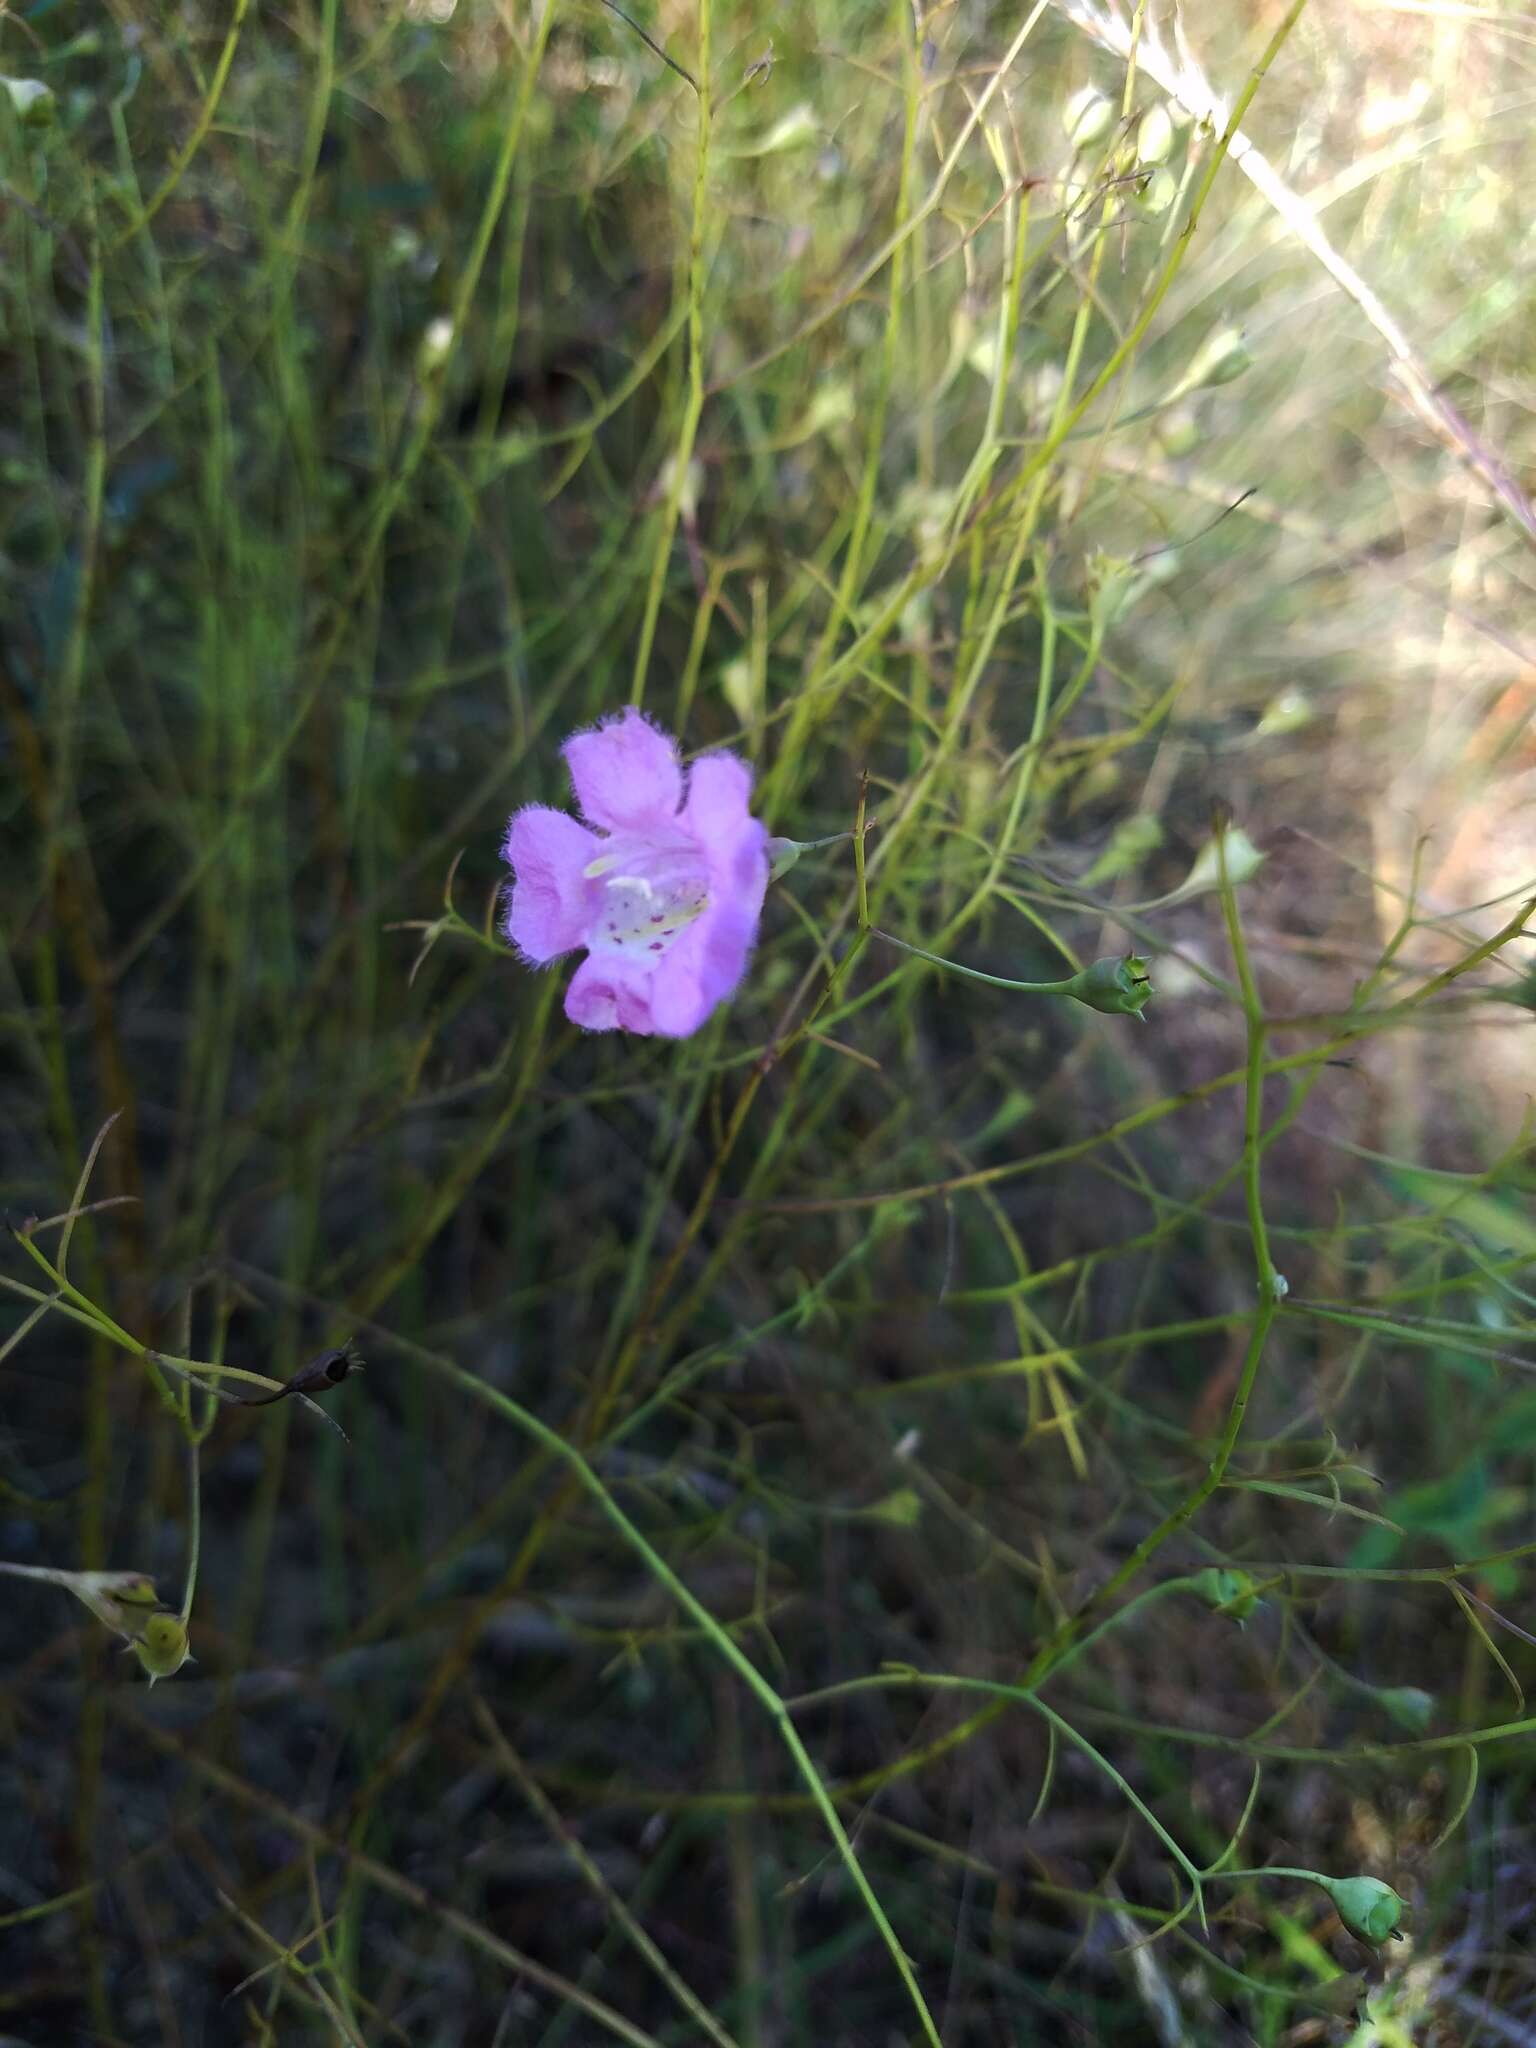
1118 986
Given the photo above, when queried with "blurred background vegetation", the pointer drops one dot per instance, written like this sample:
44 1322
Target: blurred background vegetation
391 388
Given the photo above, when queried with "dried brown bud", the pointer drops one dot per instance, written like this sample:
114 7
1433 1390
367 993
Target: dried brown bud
325 1370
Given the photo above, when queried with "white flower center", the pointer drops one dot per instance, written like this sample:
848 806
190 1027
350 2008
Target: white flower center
651 892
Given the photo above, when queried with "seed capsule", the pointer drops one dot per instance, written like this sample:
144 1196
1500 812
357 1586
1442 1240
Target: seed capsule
1231 1593
163 1647
1119 988
1367 1907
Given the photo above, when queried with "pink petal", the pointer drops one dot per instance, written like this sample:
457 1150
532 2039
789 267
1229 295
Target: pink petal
684 988
610 995
707 963
626 773
719 790
548 910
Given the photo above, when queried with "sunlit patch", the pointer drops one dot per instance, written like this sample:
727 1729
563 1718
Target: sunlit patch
642 920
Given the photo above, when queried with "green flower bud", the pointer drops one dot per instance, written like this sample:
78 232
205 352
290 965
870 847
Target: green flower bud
1087 117
1154 137
1243 861
1409 1705
163 1647
1287 712
689 489
1119 988
1111 583
902 1509
31 101
1115 585
1367 1907
1225 356
782 855
833 404
1158 192
982 355
1233 1594
790 131
739 685
1179 432
434 348
403 246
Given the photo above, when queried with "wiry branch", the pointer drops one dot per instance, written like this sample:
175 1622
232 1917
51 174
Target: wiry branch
1162 52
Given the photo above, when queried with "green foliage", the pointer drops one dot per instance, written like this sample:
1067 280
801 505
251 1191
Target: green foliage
391 391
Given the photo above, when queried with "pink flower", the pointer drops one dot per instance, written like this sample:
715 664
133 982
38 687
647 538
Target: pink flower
664 890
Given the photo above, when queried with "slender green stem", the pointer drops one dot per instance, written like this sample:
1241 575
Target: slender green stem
194 1525
385 1878
1357 1028
555 1445
1028 988
70 1293
1121 356
693 409
1185 1583
1270 1289
69 1301
1022 1696
77 1203
388 496
200 128
592 1873
859 856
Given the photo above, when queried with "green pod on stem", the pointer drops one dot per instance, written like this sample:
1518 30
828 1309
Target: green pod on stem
1370 1909
1117 986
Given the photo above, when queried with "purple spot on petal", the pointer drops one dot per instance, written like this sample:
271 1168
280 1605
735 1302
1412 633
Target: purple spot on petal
656 946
